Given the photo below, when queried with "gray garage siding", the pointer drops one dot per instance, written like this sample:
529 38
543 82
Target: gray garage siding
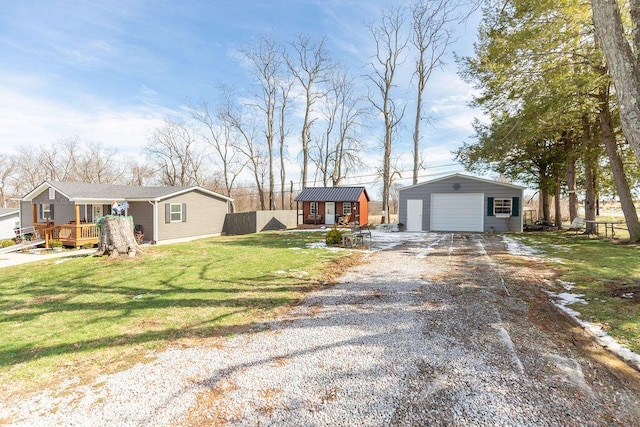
464 185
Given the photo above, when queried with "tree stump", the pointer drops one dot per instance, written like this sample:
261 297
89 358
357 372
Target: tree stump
116 237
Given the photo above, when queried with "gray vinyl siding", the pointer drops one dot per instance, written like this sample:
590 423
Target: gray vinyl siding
26 214
142 213
465 185
63 212
205 216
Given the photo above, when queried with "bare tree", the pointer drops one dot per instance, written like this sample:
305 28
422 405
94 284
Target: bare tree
285 89
219 135
266 61
431 38
59 161
28 168
309 66
98 164
390 45
622 63
246 142
173 150
138 174
338 147
7 170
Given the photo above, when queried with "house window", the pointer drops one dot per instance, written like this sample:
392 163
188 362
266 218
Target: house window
46 211
346 208
313 208
176 212
52 193
502 207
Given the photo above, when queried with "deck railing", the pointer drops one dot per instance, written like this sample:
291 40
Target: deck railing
69 234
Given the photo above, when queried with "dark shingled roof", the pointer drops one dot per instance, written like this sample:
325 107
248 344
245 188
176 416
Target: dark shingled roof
331 194
83 190
86 191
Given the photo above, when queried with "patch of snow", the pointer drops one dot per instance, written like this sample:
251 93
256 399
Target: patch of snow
567 285
317 245
604 339
515 247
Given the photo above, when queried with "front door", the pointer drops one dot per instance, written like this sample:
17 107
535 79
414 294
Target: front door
97 212
330 213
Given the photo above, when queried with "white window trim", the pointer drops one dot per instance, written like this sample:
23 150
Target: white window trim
344 211
171 212
45 214
313 206
503 209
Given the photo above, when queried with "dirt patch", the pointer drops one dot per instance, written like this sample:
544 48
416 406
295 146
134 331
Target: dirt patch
629 290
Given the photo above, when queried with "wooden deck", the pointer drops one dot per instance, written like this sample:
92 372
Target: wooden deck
73 235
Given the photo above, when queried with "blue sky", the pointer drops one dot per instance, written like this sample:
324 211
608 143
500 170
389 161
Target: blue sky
110 71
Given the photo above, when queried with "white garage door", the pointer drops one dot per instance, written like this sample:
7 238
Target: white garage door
457 212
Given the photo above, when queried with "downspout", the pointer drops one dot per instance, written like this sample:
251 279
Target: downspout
155 221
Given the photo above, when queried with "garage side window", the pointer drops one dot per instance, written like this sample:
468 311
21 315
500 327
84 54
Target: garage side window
502 207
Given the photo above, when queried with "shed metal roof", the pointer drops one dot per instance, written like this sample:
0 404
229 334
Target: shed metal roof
331 194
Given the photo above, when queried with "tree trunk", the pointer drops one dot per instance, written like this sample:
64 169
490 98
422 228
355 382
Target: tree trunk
571 175
556 201
621 66
590 174
117 237
543 198
617 168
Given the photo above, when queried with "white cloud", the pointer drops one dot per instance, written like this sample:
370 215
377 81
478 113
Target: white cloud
31 121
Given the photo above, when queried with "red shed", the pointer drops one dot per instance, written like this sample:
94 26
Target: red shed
333 205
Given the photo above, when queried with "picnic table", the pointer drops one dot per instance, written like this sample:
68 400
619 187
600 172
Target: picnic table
608 225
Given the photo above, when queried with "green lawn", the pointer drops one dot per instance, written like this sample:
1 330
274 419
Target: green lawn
94 314
608 274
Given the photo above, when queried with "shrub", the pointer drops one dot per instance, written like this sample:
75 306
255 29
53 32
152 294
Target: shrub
55 244
7 243
334 237
88 246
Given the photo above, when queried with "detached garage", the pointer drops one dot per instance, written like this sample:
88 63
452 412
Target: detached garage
461 203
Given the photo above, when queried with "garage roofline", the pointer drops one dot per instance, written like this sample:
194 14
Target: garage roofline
461 175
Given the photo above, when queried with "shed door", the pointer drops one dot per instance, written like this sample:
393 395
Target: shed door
330 213
457 212
414 215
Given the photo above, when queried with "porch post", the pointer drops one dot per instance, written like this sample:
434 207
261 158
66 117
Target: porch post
77 214
34 208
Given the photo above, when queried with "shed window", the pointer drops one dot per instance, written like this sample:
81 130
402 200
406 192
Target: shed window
313 208
176 212
502 206
346 208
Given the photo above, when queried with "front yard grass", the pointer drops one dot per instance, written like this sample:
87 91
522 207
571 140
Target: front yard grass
75 319
606 272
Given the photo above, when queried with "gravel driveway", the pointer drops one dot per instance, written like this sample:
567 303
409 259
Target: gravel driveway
436 331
